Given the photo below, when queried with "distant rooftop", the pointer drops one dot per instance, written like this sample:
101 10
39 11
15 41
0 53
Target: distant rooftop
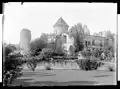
60 22
95 37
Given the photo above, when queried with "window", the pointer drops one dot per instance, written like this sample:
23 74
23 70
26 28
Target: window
65 38
88 42
101 44
93 42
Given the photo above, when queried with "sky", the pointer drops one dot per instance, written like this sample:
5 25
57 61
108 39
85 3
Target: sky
40 17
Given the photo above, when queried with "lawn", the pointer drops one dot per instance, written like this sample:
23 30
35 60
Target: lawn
64 77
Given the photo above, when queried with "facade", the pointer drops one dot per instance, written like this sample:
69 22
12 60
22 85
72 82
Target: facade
65 41
94 42
60 26
68 44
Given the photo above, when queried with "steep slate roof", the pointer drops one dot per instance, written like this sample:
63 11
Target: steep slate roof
61 22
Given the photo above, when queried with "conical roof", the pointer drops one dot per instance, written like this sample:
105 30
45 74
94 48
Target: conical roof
61 22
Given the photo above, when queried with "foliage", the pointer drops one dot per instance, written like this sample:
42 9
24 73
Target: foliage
51 45
96 53
32 61
87 64
110 35
109 44
48 67
12 63
8 48
13 60
46 53
78 33
111 68
86 53
79 44
32 65
11 57
38 44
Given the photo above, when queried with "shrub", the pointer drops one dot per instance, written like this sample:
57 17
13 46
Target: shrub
87 64
12 61
38 44
12 67
111 68
32 62
46 53
86 53
48 67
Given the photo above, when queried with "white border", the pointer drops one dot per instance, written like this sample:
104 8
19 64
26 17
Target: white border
118 47
1 47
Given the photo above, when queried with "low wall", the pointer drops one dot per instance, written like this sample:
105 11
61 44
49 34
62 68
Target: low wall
57 65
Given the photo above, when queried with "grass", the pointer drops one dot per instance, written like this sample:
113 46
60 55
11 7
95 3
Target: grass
65 77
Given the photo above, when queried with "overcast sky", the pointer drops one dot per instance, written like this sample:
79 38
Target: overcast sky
40 17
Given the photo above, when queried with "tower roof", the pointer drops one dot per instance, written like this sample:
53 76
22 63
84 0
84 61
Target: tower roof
61 22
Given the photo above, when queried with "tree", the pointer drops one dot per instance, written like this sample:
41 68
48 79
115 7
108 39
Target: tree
78 33
9 53
79 43
44 37
109 41
13 60
86 30
8 48
47 53
39 43
109 35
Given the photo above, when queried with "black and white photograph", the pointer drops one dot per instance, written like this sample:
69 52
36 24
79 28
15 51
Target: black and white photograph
59 44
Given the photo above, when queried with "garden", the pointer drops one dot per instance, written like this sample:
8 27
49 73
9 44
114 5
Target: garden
42 51
14 60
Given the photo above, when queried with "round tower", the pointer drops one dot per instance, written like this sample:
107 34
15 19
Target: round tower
25 38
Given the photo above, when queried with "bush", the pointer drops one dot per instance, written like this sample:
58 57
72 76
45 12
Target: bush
111 68
46 53
48 67
86 53
87 64
32 64
38 44
11 67
12 61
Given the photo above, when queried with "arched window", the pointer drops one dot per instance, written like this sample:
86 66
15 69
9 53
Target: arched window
86 43
93 42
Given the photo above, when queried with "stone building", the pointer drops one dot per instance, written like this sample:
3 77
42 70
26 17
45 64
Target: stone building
60 26
94 42
63 41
